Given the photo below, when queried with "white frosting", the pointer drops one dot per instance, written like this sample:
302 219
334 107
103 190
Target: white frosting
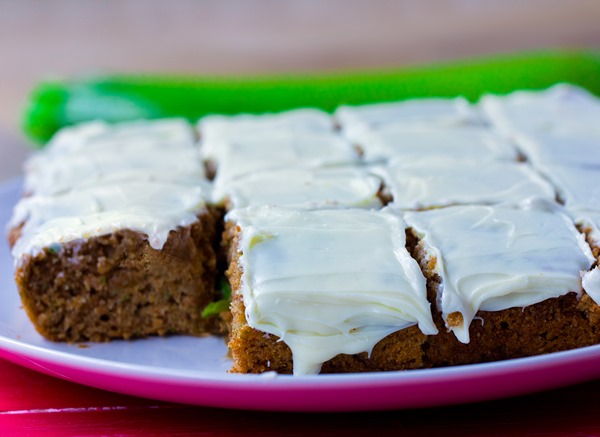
98 153
492 258
417 143
354 120
591 284
589 219
307 279
302 188
152 208
282 149
565 147
96 179
578 186
435 183
561 107
56 173
133 133
216 129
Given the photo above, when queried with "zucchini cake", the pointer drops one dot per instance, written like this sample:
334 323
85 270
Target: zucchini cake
389 236
109 246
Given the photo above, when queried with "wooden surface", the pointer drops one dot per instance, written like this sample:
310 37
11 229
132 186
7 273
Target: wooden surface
61 38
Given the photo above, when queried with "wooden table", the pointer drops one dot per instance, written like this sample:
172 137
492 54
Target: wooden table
41 39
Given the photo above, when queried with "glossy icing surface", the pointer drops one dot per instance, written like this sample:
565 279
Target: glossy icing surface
307 280
218 129
96 179
434 183
303 188
562 107
495 257
355 120
417 143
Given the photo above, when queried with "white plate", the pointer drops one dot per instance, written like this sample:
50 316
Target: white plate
194 370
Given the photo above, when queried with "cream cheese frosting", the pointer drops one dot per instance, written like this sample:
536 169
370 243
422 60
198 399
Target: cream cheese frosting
57 173
561 107
283 149
302 188
434 183
96 179
217 129
589 221
125 134
328 282
565 148
577 186
417 143
491 258
152 208
354 120
97 152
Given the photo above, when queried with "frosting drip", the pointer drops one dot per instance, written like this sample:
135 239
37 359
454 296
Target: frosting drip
307 278
95 179
492 258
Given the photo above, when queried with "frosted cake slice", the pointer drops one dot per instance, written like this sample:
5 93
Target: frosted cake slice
434 183
466 144
578 187
491 258
355 120
218 129
97 153
319 291
241 157
507 281
303 188
561 107
117 257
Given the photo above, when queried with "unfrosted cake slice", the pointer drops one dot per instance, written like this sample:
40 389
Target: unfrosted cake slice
431 183
331 290
506 279
117 254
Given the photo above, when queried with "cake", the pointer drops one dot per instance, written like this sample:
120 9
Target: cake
303 291
390 236
109 246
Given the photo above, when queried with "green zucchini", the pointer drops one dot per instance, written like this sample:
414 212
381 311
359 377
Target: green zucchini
55 104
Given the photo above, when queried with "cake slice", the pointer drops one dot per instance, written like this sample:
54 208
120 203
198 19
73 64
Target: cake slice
475 144
432 183
304 188
218 129
450 112
116 238
560 107
507 281
330 290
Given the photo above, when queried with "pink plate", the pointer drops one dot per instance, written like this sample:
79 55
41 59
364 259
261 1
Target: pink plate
194 370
